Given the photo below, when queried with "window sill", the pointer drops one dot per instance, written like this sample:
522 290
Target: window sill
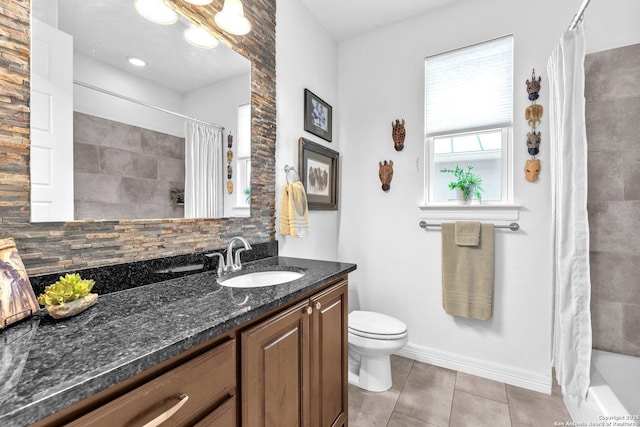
487 211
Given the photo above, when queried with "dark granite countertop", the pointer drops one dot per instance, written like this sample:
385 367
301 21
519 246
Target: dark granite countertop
48 364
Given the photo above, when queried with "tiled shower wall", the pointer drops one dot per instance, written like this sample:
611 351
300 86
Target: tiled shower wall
613 111
123 171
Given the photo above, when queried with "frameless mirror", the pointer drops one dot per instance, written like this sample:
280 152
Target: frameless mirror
115 139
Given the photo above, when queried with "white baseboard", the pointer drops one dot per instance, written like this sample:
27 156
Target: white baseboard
493 371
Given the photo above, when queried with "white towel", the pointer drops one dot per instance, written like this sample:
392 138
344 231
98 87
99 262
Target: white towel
294 211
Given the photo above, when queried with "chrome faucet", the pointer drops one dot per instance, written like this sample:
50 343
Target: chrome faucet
230 265
236 265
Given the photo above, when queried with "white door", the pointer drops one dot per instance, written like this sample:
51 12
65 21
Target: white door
51 124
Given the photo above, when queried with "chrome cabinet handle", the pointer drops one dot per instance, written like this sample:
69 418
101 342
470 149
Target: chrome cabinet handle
309 311
318 306
168 413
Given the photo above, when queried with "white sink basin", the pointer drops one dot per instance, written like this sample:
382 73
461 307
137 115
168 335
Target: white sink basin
260 279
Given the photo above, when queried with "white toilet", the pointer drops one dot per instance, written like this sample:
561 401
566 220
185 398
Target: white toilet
373 337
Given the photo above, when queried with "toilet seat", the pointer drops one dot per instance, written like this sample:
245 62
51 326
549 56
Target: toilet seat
368 324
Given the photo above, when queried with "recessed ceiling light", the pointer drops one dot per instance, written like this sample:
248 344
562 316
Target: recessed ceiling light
200 38
136 61
199 2
156 11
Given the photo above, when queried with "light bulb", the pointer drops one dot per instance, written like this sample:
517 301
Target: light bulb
156 11
231 18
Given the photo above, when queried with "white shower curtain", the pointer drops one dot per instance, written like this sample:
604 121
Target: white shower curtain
572 286
203 187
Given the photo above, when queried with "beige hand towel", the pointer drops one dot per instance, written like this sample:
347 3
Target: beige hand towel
467 233
294 216
468 274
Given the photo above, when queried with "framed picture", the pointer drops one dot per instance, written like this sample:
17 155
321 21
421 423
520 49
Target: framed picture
318 167
317 116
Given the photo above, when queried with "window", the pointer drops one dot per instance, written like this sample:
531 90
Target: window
243 156
468 119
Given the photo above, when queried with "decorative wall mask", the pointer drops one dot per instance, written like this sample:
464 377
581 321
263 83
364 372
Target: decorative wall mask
532 170
533 143
398 133
533 87
229 158
386 174
533 114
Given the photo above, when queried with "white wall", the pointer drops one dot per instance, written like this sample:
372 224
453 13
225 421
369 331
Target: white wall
380 80
306 57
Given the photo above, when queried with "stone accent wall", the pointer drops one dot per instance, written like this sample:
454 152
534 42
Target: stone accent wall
52 247
612 92
123 171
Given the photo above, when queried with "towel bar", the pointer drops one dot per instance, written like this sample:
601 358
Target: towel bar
514 226
288 169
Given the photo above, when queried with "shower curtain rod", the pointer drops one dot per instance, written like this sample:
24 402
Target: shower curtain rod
144 104
578 16
514 226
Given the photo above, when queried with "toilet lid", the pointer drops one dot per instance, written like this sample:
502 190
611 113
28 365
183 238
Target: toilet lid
371 323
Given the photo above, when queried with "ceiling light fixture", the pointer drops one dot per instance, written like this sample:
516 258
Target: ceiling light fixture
136 61
156 11
231 18
199 2
200 38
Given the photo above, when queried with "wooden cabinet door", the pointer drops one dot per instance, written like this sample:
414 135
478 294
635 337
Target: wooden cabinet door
275 370
329 357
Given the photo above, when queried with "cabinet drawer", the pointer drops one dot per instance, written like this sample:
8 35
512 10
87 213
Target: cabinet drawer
224 416
206 381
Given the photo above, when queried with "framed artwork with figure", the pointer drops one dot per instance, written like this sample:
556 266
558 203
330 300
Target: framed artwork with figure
317 116
318 166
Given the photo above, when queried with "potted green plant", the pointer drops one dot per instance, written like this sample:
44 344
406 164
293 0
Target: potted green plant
68 296
466 183
176 195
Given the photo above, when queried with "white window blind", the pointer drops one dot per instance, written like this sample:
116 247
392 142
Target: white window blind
470 88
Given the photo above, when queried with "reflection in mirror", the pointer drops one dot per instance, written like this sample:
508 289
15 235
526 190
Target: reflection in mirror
481 150
115 139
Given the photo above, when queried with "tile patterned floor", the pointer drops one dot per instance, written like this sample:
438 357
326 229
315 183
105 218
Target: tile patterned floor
423 395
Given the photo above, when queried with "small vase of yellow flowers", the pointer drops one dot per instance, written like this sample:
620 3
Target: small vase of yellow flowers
68 296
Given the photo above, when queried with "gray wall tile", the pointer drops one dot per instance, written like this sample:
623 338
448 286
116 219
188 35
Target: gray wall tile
86 157
89 129
171 170
162 144
614 226
92 187
124 163
138 191
614 277
606 325
613 73
631 325
631 173
611 124
605 175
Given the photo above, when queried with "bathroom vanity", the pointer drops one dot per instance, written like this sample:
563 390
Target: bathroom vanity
190 351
